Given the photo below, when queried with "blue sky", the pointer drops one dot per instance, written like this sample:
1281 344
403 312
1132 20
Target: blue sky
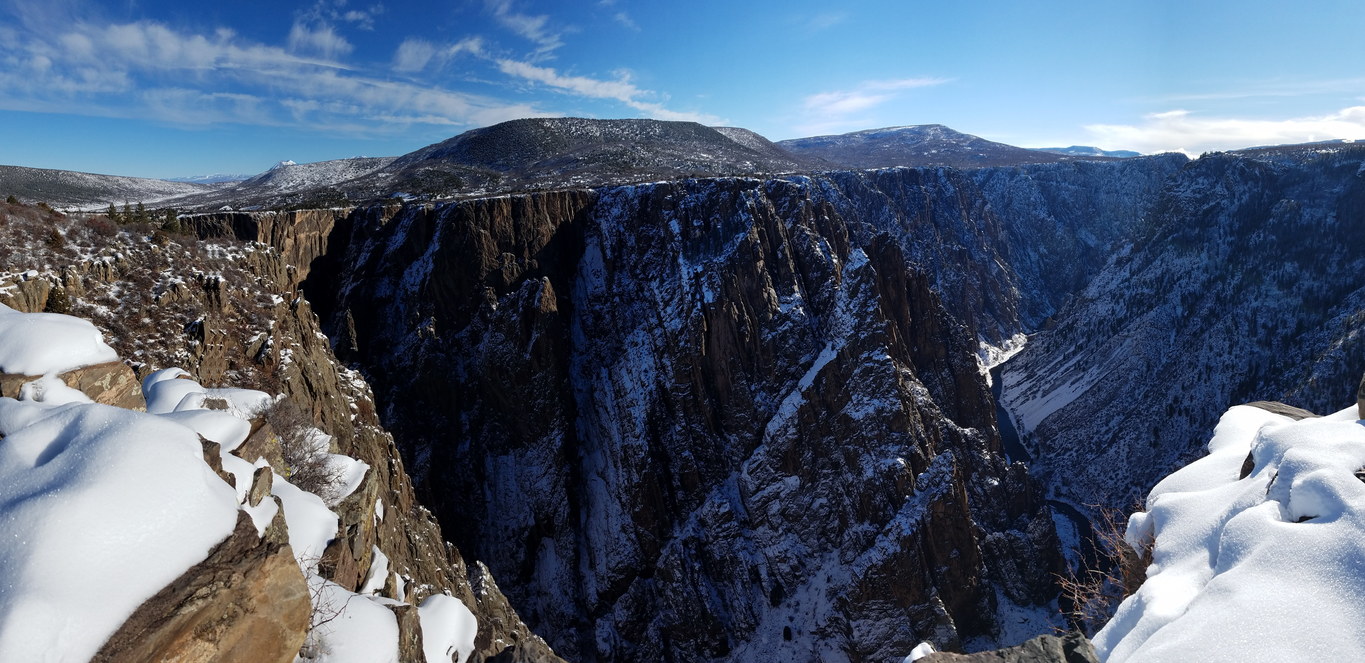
164 89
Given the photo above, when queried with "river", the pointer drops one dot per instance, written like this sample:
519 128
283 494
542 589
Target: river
1082 536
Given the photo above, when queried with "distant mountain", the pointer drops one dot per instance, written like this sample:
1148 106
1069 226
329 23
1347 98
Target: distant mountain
918 145
517 155
216 178
1089 151
65 189
287 176
560 152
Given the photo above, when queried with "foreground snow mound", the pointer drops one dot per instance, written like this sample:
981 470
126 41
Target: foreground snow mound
43 343
1267 567
101 508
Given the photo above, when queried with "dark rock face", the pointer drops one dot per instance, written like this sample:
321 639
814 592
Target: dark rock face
1237 287
1071 648
708 420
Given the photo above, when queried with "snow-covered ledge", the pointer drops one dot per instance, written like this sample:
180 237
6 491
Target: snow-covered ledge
1269 566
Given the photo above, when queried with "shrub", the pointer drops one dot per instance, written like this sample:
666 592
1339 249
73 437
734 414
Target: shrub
102 226
1117 571
57 301
55 240
308 465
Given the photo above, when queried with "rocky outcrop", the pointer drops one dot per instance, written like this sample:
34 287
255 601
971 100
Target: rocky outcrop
227 310
111 383
247 601
707 420
1360 398
1070 648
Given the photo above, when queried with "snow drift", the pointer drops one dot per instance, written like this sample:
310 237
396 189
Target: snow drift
1269 566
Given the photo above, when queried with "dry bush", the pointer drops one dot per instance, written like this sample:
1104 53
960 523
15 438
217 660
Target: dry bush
323 613
1115 573
101 226
308 467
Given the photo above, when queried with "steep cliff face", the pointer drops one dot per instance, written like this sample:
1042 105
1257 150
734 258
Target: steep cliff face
1241 286
224 305
706 420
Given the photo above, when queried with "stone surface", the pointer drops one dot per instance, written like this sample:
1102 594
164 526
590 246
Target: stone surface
1070 648
1360 398
246 602
261 481
409 634
111 383
1295 413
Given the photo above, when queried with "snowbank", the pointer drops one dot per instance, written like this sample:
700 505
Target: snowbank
355 629
448 629
101 508
1267 567
43 343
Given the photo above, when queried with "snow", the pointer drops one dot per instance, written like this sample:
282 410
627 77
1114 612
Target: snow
102 507
1267 567
48 343
920 651
215 426
167 388
379 572
311 524
358 630
448 629
51 390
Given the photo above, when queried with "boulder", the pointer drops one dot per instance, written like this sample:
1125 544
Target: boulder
247 601
1295 413
111 383
1360 399
409 634
1070 648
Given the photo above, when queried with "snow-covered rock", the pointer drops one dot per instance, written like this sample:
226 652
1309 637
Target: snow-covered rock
102 507
1263 567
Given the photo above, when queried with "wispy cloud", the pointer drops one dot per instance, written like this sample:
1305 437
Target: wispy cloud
415 54
822 21
840 109
321 39
1268 90
626 21
533 27
1191 133
147 70
621 90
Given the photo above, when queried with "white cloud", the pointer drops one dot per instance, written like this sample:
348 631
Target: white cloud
847 109
148 70
625 20
621 90
322 40
415 54
1184 131
824 21
534 28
